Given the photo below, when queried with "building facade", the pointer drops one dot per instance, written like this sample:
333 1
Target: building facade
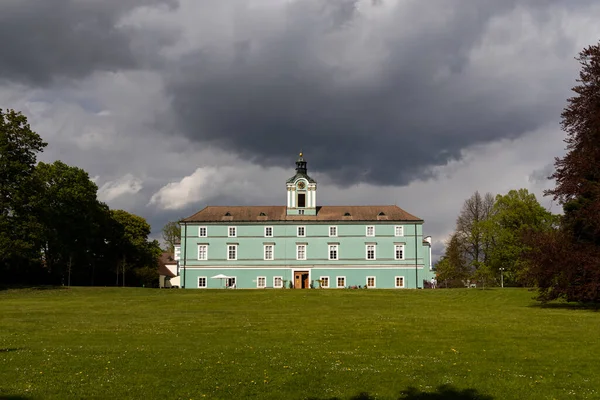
303 245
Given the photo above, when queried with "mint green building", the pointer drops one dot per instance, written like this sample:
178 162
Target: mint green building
303 245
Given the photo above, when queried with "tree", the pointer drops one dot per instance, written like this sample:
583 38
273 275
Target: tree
130 244
469 227
19 146
566 262
171 234
73 221
452 270
512 216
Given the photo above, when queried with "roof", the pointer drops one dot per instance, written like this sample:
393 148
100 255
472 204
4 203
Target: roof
163 260
301 175
278 213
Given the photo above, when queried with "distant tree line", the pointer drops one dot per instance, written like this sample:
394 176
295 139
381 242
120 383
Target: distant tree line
513 234
53 228
489 243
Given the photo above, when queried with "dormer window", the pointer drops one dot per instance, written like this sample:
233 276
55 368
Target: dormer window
228 214
381 214
347 214
262 214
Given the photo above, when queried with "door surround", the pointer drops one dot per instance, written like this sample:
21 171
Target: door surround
303 271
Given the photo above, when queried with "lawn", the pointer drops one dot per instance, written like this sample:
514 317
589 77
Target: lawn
293 344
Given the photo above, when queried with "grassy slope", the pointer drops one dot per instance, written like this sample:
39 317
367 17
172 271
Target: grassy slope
148 343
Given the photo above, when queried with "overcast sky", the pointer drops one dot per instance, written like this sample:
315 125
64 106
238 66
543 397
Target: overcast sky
172 105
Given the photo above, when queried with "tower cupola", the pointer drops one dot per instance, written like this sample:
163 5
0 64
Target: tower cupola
301 191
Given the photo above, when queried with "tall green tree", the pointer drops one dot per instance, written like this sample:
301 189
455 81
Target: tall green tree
453 269
171 234
575 277
19 147
131 246
513 215
73 222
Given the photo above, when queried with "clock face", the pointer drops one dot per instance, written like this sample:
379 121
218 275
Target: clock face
301 185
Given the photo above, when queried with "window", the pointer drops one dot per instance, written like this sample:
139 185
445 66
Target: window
230 282
301 252
232 252
333 251
399 252
261 282
202 252
332 231
398 231
399 281
232 231
268 231
301 200
324 281
371 252
370 231
201 281
341 281
370 281
300 212
301 231
202 231
177 254
268 252
277 281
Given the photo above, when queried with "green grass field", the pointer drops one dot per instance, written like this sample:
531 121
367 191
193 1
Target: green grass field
293 344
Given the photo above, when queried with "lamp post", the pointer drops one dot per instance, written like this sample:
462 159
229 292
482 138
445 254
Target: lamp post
501 277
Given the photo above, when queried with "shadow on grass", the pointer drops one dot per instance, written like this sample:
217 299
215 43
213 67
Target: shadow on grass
9 350
10 397
444 392
568 306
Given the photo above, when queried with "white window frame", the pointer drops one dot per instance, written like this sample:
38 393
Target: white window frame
235 249
337 252
300 212
272 246
205 246
298 252
374 282
264 280
333 231
176 252
205 282
324 278
275 285
303 231
374 252
202 229
267 228
337 282
370 227
396 246
396 282
229 231
399 230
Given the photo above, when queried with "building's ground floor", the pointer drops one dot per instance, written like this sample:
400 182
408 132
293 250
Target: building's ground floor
304 277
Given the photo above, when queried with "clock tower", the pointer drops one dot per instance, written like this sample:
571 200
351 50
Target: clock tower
301 191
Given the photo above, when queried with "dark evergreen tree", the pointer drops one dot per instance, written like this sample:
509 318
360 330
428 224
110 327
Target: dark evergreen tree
567 262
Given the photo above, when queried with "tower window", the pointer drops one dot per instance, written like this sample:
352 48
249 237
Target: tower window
301 200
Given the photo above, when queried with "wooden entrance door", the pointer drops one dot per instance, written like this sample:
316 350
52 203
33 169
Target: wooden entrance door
301 280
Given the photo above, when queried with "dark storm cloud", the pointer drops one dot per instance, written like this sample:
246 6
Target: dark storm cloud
418 106
47 39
